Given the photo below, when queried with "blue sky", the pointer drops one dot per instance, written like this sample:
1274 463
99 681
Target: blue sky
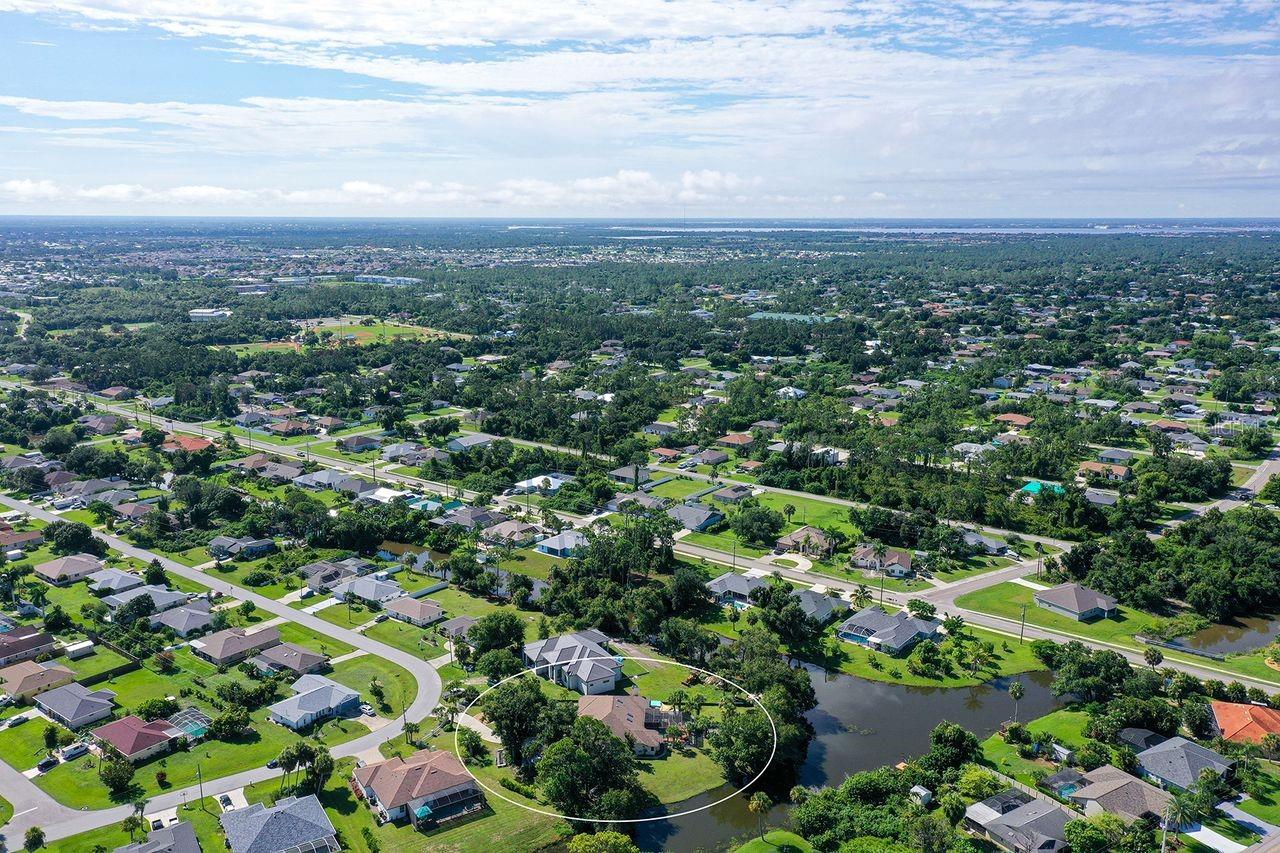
618 108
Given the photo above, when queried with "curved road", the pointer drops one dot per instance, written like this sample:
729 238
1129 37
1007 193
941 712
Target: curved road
33 807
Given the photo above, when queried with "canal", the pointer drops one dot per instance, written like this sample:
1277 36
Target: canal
860 725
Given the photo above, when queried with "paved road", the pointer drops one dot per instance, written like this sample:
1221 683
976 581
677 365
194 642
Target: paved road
32 807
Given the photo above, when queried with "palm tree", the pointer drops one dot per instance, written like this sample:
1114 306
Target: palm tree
1152 656
788 510
1016 691
759 805
861 596
1180 811
881 551
410 729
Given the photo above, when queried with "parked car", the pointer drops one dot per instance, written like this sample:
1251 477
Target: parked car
18 720
74 750
366 709
225 802
47 764
273 763
381 617
157 824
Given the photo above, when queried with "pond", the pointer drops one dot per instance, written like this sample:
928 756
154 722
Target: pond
860 725
1244 634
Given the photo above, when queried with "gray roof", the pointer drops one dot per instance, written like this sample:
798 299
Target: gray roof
289 656
191 617
113 580
693 516
368 589
1076 598
1179 761
889 629
458 626
177 838
818 605
735 584
74 702
1020 822
313 694
290 823
581 654
162 598
1119 793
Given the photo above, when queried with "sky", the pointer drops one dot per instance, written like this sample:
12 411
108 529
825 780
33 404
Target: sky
689 108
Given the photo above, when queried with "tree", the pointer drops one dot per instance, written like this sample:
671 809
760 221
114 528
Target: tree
602 842
378 692
921 609
759 805
411 730
741 744
788 510
757 524
1153 656
34 839
513 710
861 596
73 537
1181 810
579 773
230 724
501 629
117 775
497 664
471 745
1100 833
1016 692
50 737
155 574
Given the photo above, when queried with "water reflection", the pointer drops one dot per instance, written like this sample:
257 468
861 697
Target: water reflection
860 725
1245 634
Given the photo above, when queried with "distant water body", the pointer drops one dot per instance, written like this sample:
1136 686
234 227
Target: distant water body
906 227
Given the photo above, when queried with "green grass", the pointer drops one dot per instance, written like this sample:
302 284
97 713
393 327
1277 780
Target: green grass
292 632
235 572
812 511
398 684
531 562
203 817
6 811
659 680
22 747
725 542
776 841
873 581
458 603
679 488
101 660
973 566
680 775
1066 725
408 638
1264 803
1010 658
346 615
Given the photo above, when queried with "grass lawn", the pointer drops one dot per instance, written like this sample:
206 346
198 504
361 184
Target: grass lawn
236 571
203 817
407 638
398 684
458 603
22 746
812 511
502 827
531 562
680 775
872 582
679 488
776 841
973 566
1065 724
1265 804
101 660
659 680
346 615
292 632
725 542
191 557
6 811
1010 658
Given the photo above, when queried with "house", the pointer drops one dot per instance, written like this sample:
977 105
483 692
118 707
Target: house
292 824
416 611
631 719
290 658
1109 789
240 546
289 428
325 478
279 472
234 645
1139 739
984 544
1178 762
469 517
457 627
696 517
630 475
24 643
712 457
1076 602
1105 470
370 590
1014 420
895 562
646 502
315 698
99 424
75 705
577 661
563 544
892 633
733 493
1019 822
27 678
429 787
162 599
740 441
177 837
730 588
66 570
1234 721
191 618
1114 456
1097 497
136 739
818 606
510 532
466 443
359 443
133 511
659 428
807 540
20 539
189 443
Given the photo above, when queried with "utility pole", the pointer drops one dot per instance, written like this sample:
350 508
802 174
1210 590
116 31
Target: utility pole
1023 627
200 780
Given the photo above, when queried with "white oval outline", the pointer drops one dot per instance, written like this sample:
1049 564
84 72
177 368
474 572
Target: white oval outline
773 751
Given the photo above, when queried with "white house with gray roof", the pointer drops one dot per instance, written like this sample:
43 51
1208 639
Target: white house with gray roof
75 705
315 698
891 633
292 824
578 661
1076 602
